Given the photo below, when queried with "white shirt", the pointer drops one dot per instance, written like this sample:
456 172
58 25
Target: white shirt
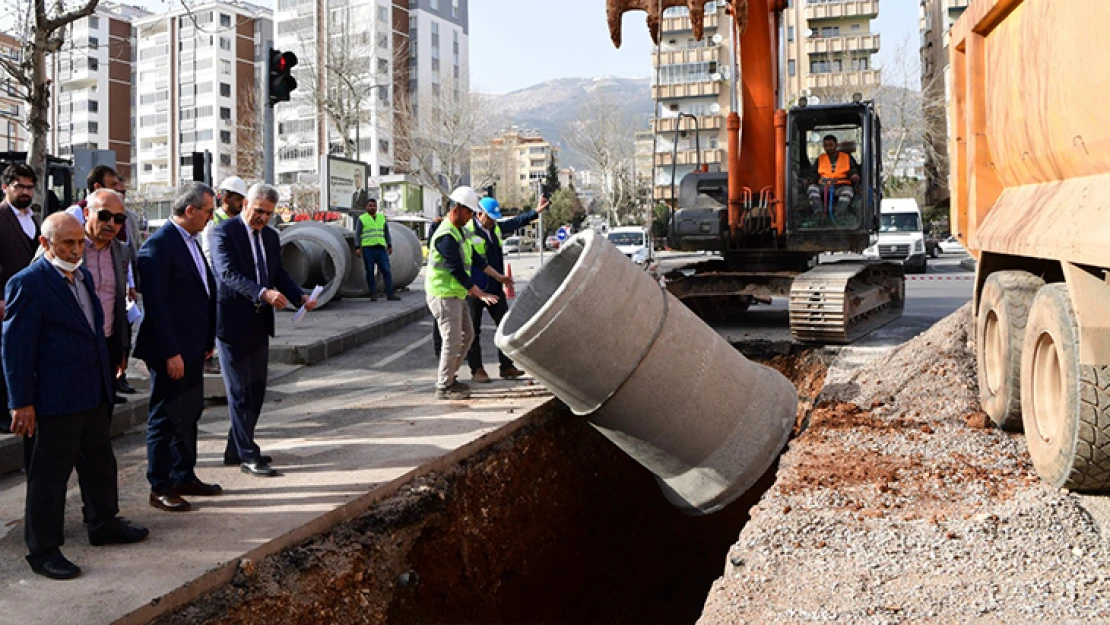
254 255
194 251
26 221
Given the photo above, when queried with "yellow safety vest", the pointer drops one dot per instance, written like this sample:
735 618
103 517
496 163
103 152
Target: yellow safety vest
438 281
477 241
373 230
219 216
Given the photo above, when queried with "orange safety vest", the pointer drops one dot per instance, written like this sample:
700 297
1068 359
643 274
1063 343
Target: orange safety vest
839 174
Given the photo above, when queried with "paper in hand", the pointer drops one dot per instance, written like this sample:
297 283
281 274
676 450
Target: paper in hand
303 310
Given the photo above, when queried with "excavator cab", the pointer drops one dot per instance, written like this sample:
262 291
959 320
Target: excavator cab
833 173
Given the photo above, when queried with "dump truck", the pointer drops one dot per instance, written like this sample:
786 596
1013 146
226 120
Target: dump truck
798 182
1030 181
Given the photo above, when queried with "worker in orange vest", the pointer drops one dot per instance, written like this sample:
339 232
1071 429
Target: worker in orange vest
837 172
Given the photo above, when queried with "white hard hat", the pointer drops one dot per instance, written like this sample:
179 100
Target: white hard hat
234 184
465 196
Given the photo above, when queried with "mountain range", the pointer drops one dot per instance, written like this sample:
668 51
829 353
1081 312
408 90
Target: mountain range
550 106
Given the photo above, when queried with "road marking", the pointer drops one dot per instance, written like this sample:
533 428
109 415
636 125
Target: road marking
959 277
399 354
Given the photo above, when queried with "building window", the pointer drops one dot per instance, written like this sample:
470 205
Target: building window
435 5
225 20
383 66
454 8
383 41
94 106
791 67
855 27
383 14
93 64
225 67
225 43
225 90
94 22
790 33
412 50
435 29
225 136
225 160
383 146
225 112
94 43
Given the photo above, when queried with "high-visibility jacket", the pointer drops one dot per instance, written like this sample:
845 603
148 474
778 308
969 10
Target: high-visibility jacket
219 216
438 281
477 241
373 230
839 174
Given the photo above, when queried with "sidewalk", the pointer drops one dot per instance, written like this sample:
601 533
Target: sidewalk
343 433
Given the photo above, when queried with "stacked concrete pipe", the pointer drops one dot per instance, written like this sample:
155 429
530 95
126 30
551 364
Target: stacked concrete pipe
316 254
405 262
606 339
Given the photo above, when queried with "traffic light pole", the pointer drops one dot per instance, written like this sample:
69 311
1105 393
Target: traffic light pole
267 127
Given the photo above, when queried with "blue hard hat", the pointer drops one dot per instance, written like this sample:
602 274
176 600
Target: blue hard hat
490 207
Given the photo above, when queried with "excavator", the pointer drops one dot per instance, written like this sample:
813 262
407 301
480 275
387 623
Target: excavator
775 211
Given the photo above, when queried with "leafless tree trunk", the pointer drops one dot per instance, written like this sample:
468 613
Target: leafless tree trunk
44 35
604 135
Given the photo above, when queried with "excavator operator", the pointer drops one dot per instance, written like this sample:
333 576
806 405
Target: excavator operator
837 171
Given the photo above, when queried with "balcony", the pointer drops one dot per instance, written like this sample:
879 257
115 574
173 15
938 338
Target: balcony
837 45
686 90
843 9
690 55
831 80
705 122
690 157
674 25
79 77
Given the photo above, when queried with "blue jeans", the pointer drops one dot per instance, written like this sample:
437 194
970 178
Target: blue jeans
377 256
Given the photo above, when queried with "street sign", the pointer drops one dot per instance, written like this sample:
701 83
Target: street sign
561 234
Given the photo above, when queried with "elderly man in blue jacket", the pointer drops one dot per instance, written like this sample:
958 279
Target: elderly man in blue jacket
60 390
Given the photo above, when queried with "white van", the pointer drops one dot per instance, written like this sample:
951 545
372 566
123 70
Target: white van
901 236
628 239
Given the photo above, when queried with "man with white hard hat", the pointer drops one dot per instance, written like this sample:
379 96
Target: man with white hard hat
447 282
230 196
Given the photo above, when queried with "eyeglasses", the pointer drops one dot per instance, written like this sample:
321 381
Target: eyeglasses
105 215
23 187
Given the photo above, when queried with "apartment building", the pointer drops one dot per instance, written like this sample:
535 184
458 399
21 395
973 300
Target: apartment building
346 50
692 88
514 162
198 78
93 77
830 48
13 134
936 20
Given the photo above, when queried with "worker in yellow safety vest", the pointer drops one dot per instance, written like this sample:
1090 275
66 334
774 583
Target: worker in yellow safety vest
230 196
447 282
374 245
837 172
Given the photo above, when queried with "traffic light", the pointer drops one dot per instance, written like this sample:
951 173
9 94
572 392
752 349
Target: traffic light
282 82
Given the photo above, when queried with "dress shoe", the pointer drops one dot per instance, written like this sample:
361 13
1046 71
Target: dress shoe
198 488
373 298
393 298
234 460
123 386
258 468
480 376
169 502
511 373
118 399
56 568
118 532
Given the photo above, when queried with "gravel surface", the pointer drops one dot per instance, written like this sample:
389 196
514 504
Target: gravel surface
898 504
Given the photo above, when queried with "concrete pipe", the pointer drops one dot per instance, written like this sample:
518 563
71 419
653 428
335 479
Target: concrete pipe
405 263
355 284
603 336
316 254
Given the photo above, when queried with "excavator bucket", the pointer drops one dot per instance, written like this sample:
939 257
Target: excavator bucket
654 8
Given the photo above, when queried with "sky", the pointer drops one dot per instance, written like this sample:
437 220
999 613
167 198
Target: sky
518 43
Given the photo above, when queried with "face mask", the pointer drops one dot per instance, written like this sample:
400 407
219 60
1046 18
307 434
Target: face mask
65 265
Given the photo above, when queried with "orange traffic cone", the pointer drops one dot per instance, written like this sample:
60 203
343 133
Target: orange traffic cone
510 292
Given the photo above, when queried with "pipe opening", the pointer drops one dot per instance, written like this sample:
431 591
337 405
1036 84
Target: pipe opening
543 286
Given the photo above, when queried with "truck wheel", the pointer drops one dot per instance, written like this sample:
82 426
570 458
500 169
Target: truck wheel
1065 405
999 331
935 252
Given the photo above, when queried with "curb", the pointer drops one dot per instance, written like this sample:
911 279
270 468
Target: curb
969 264
326 348
935 277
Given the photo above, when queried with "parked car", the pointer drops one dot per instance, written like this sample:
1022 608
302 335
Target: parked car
551 243
900 235
952 245
518 245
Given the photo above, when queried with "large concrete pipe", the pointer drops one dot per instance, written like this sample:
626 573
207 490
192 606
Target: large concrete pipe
316 254
603 336
355 284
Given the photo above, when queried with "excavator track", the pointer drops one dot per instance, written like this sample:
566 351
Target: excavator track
840 302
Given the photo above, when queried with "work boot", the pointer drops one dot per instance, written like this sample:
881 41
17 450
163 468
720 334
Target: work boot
480 376
511 373
455 391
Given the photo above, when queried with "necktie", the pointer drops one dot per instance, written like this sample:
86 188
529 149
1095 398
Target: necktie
260 259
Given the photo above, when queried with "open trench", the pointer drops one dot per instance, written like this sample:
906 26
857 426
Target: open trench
552 524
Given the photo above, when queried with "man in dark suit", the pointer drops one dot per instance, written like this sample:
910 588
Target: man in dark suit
252 283
19 236
176 336
56 364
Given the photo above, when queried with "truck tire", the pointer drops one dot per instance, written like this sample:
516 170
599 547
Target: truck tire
999 331
1065 405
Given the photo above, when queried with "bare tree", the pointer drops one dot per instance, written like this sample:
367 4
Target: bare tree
435 130
42 33
603 134
249 157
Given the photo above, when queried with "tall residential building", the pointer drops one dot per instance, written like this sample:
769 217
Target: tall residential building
937 18
693 80
514 162
352 69
13 134
829 49
92 88
644 140
439 47
199 90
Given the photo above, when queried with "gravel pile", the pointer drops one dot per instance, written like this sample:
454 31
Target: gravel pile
898 504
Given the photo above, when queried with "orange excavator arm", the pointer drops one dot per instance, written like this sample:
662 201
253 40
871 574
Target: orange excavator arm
757 131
